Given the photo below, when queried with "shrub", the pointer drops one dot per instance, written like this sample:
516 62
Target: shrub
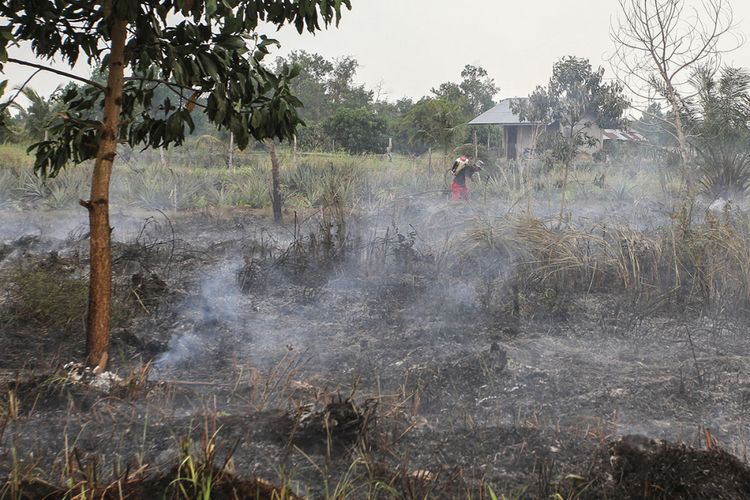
45 295
14 155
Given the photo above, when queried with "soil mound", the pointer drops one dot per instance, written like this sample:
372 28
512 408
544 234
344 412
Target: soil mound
644 468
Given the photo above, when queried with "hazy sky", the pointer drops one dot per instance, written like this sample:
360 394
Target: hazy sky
413 45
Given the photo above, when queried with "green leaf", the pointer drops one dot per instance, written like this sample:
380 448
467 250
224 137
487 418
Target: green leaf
179 73
210 9
257 119
6 33
232 42
209 66
491 493
174 128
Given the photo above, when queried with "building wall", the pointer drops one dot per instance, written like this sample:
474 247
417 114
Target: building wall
525 137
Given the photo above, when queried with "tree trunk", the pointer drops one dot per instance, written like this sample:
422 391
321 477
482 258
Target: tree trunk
681 141
562 197
230 160
100 284
275 193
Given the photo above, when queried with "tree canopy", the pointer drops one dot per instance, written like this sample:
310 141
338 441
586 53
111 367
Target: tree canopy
357 130
717 119
193 48
576 92
435 122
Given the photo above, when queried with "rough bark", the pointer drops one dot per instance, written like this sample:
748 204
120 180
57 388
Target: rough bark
275 184
100 284
562 196
681 139
230 160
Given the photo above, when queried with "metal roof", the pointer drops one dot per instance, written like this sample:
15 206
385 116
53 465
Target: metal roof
611 134
501 115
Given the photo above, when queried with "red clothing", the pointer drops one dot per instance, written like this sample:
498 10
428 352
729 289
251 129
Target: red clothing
461 169
459 191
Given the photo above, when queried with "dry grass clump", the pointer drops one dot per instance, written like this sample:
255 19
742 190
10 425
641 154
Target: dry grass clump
52 295
45 296
715 260
704 264
14 155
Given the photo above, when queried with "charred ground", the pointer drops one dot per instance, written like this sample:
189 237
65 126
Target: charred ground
426 350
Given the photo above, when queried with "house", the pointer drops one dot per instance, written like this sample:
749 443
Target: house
521 137
518 136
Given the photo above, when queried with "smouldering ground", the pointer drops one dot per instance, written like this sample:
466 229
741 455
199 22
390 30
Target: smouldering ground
399 364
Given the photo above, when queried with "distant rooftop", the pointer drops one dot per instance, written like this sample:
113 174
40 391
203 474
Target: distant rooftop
610 134
500 115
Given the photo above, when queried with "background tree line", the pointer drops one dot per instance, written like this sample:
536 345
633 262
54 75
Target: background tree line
340 114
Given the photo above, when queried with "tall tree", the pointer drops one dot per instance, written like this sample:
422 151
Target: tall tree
435 122
478 88
324 86
357 130
719 122
194 48
450 91
658 46
342 90
475 92
310 86
393 113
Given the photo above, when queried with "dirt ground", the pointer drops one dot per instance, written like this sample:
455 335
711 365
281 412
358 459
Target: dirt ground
286 361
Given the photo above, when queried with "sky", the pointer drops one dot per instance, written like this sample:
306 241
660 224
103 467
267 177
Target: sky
408 47
413 45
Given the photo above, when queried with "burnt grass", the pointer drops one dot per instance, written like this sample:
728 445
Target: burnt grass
302 361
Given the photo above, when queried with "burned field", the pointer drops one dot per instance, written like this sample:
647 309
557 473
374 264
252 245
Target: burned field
426 351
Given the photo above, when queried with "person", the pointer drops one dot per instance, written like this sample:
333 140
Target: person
462 168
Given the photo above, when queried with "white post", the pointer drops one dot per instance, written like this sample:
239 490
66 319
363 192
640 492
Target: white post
231 151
